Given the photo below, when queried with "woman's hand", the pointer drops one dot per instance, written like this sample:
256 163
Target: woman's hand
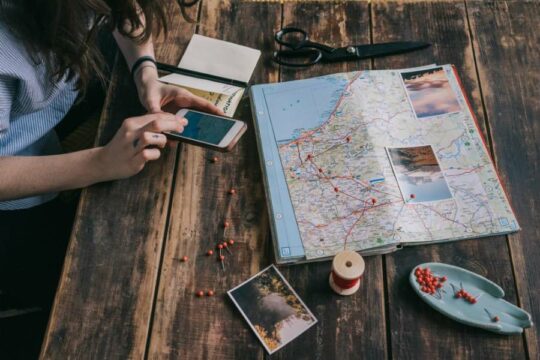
155 95
138 141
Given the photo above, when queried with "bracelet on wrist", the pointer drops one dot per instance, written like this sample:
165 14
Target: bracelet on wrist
137 64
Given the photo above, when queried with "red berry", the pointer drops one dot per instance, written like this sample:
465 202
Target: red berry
443 278
438 286
336 189
225 244
200 293
495 319
209 252
185 258
231 242
320 170
220 246
458 295
221 257
473 301
210 293
226 224
373 201
215 159
412 196
309 157
232 191
348 138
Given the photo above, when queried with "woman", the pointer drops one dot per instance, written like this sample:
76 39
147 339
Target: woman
48 56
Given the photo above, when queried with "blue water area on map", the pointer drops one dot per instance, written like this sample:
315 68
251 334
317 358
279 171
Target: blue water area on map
298 106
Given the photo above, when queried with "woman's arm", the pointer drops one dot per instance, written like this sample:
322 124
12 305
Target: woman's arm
136 142
146 72
153 94
22 176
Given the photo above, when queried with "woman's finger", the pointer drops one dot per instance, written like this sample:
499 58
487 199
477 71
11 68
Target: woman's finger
141 158
146 155
165 124
147 139
198 103
135 123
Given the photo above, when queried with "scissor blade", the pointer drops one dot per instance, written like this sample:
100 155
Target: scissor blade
390 48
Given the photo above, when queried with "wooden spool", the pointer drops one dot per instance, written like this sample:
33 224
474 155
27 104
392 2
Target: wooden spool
347 270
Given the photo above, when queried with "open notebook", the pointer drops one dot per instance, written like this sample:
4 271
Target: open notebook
372 161
230 65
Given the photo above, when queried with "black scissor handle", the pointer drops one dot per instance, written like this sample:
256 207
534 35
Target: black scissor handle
298 58
300 37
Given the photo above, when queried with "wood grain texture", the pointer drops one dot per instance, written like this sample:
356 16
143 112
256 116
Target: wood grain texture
185 326
506 42
349 327
104 301
418 331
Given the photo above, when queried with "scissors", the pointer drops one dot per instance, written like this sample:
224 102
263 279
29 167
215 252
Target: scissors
303 52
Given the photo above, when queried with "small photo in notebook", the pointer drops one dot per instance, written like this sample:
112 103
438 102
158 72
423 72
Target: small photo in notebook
272 308
430 93
418 174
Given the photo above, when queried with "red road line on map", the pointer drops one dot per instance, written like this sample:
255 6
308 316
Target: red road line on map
337 219
331 183
299 155
372 188
441 215
333 147
423 223
351 229
475 169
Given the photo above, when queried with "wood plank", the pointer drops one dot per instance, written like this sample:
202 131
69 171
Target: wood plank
349 327
417 330
506 42
211 328
104 301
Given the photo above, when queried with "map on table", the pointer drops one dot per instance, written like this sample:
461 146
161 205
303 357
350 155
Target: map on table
371 160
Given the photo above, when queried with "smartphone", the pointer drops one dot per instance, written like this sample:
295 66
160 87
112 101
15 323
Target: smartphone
211 131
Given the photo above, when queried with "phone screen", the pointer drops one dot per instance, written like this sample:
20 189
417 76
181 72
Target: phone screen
207 128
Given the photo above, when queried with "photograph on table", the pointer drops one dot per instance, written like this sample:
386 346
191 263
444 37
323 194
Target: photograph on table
430 93
272 308
418 174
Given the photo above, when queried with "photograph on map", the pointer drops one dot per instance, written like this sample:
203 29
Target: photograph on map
430 93
272 308
418 174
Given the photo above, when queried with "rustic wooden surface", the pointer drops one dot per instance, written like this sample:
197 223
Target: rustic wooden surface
125 294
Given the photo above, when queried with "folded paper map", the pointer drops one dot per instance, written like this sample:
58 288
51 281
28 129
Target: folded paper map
374 160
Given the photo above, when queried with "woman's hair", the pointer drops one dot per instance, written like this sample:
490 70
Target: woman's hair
62 33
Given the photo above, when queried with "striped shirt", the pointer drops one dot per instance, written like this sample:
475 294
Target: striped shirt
31 105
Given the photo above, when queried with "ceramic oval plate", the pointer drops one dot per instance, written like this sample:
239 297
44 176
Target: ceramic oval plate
489 310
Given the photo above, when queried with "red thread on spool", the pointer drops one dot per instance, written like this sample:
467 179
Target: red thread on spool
343 283
347 270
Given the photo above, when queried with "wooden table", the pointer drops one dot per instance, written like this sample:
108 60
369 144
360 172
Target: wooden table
125 293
